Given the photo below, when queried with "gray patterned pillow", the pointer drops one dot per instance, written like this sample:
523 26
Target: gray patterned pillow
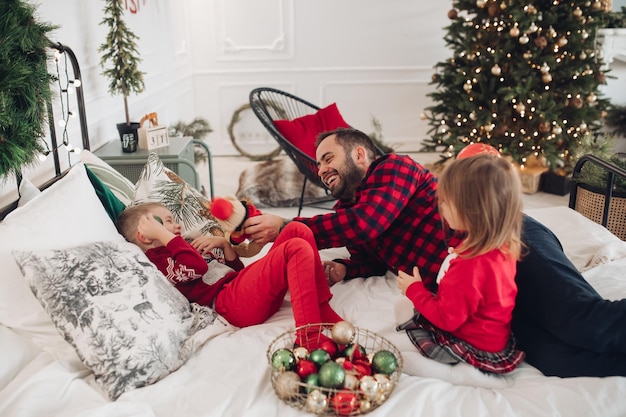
128 324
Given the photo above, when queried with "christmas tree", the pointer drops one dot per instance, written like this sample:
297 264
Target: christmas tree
524 77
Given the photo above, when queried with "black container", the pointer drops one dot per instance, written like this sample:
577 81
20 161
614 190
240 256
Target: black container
555 184
128 136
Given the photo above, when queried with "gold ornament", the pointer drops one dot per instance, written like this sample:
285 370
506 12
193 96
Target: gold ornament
524 39
514 32
369 387
562 41
496 70
546 78
343 332
577 12
287 385
591 98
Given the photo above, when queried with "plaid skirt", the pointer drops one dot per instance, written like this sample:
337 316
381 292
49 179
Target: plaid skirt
442 346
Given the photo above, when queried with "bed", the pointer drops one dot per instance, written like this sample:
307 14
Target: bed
61 242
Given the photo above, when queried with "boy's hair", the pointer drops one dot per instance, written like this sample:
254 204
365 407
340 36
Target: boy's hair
350 138
486 192
128 220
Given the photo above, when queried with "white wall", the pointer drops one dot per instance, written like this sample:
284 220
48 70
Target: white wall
374 58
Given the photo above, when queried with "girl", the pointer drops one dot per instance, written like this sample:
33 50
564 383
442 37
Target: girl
469 318
244 296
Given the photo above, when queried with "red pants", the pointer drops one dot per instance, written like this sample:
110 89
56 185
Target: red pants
292 263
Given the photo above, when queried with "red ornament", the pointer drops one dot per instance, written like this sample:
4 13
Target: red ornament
305 368
476 149
345 403
362 367
329 346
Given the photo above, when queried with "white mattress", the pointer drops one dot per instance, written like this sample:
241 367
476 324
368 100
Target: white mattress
229 375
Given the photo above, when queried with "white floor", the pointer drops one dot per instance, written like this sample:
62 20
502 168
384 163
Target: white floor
226 171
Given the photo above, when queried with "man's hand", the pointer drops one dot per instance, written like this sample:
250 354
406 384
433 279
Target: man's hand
404 279
334 271
263 228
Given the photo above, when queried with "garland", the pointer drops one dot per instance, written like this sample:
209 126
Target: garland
25 89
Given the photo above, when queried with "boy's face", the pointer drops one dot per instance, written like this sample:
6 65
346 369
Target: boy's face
167 219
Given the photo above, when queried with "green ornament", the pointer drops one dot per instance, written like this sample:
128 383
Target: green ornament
332 375
312 382
384 362
319 357
283 360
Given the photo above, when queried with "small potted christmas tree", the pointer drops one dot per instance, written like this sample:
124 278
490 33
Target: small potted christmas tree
120 63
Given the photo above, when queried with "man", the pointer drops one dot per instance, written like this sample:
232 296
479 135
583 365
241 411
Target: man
387 218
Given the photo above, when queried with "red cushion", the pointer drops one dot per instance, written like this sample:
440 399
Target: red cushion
303 131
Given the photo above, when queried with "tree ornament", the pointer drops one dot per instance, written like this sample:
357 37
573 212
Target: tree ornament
287 385
496 70
453 14
283 360
369 387
312 382
514 32
345 403
316 402
365 406
545 68
329 346
467 86
305 368
557 130
562 41
384 362
319 357
300 353
493 10
384 383
533 28
332 375
591 98
524 39
354 351
546 78
351 382
576 102
577 12
481 3
343 332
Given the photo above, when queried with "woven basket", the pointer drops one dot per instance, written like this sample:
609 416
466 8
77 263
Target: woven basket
591 205
368 340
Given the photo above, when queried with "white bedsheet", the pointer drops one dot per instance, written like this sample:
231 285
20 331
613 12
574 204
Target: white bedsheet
229 376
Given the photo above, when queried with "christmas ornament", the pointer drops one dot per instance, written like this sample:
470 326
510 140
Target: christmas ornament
365 406
453 14
332 375
342 332
384 383
496 70
300 352
305 368
345 403
351 382
329 346
283 360
354 351
287 384
514 32
312 382
384 362
369 387
546 78
524 39
319 357
541 42
316 402
362 367
231 213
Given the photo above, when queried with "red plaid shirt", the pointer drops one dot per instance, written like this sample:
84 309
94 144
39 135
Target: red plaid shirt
394 223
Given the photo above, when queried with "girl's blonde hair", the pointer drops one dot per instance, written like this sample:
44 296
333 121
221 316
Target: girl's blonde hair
486 192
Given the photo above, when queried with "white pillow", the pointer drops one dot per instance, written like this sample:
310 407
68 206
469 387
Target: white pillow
66 214
128 324
121 186
27 191
188 205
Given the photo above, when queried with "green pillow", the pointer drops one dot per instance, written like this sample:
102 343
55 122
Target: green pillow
110 202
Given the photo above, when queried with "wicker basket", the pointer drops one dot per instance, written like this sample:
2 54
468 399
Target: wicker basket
368 340
591 205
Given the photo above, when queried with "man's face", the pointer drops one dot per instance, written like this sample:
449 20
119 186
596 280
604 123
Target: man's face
338 170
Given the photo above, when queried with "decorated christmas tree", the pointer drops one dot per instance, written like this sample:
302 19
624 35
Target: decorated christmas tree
524 77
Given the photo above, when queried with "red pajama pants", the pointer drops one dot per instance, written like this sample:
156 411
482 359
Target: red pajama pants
292 263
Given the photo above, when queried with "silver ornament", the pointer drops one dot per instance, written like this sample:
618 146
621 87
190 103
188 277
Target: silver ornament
316 402
351 382
369 386
287 385
300 353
